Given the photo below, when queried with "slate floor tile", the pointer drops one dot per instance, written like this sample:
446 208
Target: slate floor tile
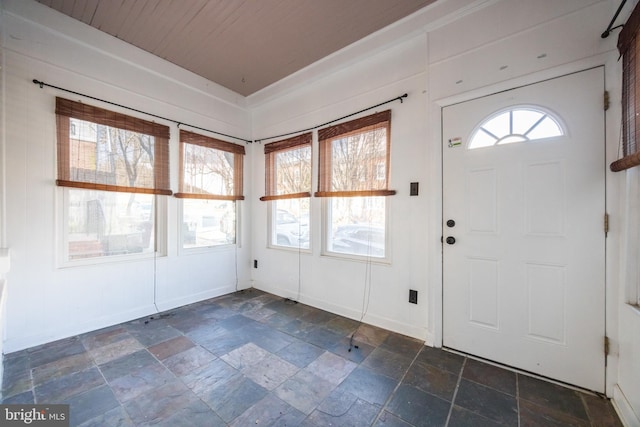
402 344
432 380
270 372
360 414
116 417
188 360
259 314
300 353
304 391
104 337
322 337
252 358
371 335
151 336
225 342
124 365
331 367
109 352
353 350
277 320
368 385
247 355
462 418
388 363
270 411
532 415
60 368
233 397
342 325
18 399
441 359
194 414
57 350
59 389
16 385
387 419
552 396
267 338
487 402
88 405
160 403
497 378
140 381
419 408
600 411
207 377
170 347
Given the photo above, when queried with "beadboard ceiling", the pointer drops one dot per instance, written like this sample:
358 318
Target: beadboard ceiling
243 45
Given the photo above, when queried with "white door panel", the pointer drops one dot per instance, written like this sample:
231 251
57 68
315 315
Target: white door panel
524 280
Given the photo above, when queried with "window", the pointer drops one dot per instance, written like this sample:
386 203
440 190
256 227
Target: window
288 191
112 167
520 124
210 184
353 177
629 48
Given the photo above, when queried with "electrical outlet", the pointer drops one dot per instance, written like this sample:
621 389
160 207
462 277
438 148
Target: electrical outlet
413 296
413 189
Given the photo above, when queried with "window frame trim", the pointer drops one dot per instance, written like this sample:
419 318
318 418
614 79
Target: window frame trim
326 224
61 233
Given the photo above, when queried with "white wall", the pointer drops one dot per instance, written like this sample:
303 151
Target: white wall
486 47
452 51
46 302
338 284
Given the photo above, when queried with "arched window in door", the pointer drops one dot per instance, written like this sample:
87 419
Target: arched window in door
516 124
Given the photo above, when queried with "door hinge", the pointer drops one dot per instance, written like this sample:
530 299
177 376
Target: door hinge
606 223
606 100
606 345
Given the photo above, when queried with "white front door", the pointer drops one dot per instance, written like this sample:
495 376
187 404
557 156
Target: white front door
524 241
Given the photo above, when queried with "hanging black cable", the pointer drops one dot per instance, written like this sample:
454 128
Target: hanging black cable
43 84
615 16
398 98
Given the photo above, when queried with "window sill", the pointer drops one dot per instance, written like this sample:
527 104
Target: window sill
292 249
357 258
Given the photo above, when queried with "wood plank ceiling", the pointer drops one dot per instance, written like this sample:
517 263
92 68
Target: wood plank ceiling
244 45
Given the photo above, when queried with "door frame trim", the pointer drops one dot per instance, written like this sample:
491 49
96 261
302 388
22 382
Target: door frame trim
612 80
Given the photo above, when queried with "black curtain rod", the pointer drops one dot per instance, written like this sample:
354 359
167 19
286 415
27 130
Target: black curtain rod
42 84
610 27
399 98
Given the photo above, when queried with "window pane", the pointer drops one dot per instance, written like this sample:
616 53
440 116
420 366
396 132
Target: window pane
207 170
354 159
357 226
290 223
545 129
112 156
208 223
105 223
293 170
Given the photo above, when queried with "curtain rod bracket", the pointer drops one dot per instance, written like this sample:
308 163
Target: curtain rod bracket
39 83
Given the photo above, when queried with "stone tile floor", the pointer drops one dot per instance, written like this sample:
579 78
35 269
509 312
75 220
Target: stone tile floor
253 359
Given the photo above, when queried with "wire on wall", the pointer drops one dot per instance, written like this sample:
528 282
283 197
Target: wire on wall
43 84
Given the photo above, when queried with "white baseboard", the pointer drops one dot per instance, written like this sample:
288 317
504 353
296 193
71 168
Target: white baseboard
372 319
624 409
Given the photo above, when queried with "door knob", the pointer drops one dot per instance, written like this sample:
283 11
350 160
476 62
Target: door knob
451 240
